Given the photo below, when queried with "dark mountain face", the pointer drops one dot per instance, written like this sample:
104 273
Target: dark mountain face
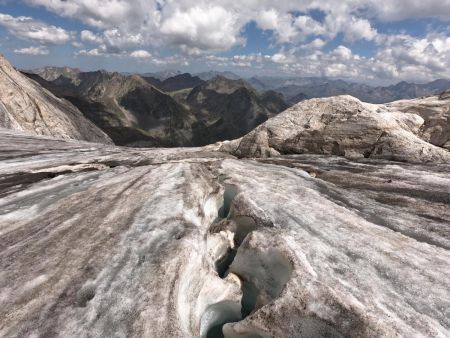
228 109
133 111
162 75
127 108
178 82
298 98
206 76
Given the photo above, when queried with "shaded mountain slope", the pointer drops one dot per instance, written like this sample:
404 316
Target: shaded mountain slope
175 83
227 109
133 112
128 108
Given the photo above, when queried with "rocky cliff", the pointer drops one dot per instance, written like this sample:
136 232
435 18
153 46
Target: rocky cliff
25 105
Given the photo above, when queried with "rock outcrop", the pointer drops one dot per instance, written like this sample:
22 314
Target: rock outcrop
435 110
99 241
25 105
345 126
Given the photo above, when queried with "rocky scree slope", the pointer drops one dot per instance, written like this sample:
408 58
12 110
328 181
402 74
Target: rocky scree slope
345 126
24 105
106 241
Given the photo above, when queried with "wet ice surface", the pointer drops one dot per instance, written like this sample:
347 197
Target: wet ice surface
98 241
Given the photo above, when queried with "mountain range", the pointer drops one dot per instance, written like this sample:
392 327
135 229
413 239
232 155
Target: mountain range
299 89
180 109
183 110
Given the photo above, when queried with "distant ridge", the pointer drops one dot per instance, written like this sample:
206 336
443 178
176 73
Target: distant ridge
298 89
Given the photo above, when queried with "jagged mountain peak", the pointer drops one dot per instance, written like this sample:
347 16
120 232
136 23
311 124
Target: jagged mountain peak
51 73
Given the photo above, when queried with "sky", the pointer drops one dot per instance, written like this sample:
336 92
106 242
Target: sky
369 41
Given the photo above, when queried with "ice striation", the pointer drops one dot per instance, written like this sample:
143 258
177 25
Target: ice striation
103 241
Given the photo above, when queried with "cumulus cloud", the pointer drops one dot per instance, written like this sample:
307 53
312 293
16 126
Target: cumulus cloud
210 28
216 25
309 26
40 50
202 26
398 10
402 57
314 44
88 36
91 52
27 28
201 29
141 54
97 13
424 58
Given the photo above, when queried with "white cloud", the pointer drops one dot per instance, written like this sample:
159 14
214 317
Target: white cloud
314 44
141 54
283 58
399 10
98 13
40 50
210 28
88 36
27 28
77 44
308 25
204 27
216 25
342 53
116 40
268 19
358 29
91 52
400 57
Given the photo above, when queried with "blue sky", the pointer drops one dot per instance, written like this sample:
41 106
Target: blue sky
361 40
